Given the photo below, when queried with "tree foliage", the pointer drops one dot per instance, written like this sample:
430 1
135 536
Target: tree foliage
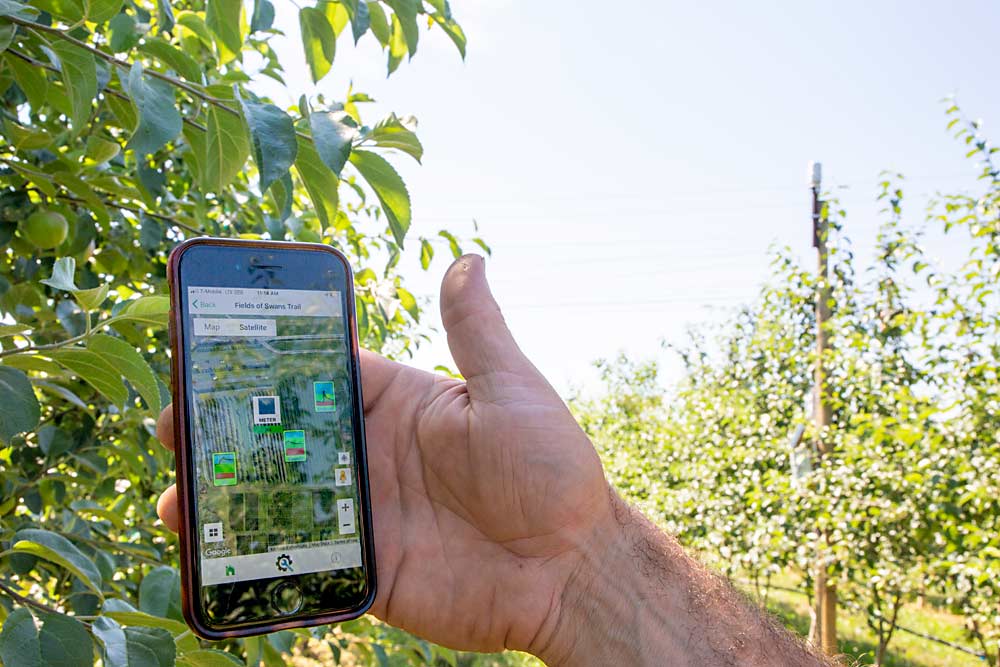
906 501
129 125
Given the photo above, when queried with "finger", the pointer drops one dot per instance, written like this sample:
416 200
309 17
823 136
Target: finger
478 336
377 373
165 427
166 507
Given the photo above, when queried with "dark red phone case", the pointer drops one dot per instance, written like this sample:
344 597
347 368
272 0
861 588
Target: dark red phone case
182 447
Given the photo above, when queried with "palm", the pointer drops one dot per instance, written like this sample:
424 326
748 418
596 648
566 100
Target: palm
480 492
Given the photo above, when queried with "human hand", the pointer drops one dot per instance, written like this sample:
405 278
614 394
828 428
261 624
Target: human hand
485 492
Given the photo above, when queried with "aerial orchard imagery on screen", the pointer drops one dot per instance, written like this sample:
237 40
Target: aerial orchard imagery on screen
274 448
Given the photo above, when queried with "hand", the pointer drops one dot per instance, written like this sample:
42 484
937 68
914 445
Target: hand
485 493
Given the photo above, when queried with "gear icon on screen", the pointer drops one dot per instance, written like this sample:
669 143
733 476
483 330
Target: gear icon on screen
283 563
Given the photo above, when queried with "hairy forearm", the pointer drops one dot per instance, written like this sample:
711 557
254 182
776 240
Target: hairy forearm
637 598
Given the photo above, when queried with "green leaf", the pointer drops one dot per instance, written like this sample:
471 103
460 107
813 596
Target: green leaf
99 11
318 40
65 642
172 57
406 12
227 148
30 79
159 592
20 411
263 16
274 142
389 188
79 76
360 19
155 642
7 32
25 139
84 192
150 234
282 191
441 6
336 14
379 22
272 656
390 132
333 132
13 329
208 658
164 16
194 23
38 179
124 111
63 270
482 244
112 639
19 640
426 253
196 139
101 150
226 19
131 365
149 310
12 8
453 30
409 303
57 549
31 362
456 249
397 44
320 182
159 120
123 33
126 614
93 369
91 299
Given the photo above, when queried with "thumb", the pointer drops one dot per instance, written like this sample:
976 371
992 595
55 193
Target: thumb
478 336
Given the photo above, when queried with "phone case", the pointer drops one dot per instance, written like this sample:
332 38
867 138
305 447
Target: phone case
189 595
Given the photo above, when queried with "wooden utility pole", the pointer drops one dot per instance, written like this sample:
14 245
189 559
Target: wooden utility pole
825 621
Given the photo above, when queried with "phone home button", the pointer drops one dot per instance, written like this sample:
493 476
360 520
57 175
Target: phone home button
286 598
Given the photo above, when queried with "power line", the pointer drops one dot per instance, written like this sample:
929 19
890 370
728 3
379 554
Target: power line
709 192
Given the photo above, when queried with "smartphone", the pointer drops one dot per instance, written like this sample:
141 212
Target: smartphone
270 445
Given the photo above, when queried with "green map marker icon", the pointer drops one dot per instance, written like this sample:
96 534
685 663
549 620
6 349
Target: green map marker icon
324 398
224 469
295 446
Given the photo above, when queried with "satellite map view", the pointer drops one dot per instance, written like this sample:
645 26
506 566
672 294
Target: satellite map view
273 443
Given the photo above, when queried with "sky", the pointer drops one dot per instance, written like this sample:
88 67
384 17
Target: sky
631 164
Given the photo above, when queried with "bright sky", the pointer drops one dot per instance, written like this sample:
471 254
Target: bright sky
631 164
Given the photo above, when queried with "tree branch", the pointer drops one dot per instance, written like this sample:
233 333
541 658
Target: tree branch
137 211
107 57
107 91
28 602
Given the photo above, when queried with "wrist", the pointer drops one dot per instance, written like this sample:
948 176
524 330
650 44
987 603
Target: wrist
635 597
604 595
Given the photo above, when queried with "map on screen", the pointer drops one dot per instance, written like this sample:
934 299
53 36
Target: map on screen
273 438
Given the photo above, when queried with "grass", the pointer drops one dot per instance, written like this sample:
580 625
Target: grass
858 643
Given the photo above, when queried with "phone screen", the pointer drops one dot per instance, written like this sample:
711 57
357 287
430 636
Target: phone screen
272 425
